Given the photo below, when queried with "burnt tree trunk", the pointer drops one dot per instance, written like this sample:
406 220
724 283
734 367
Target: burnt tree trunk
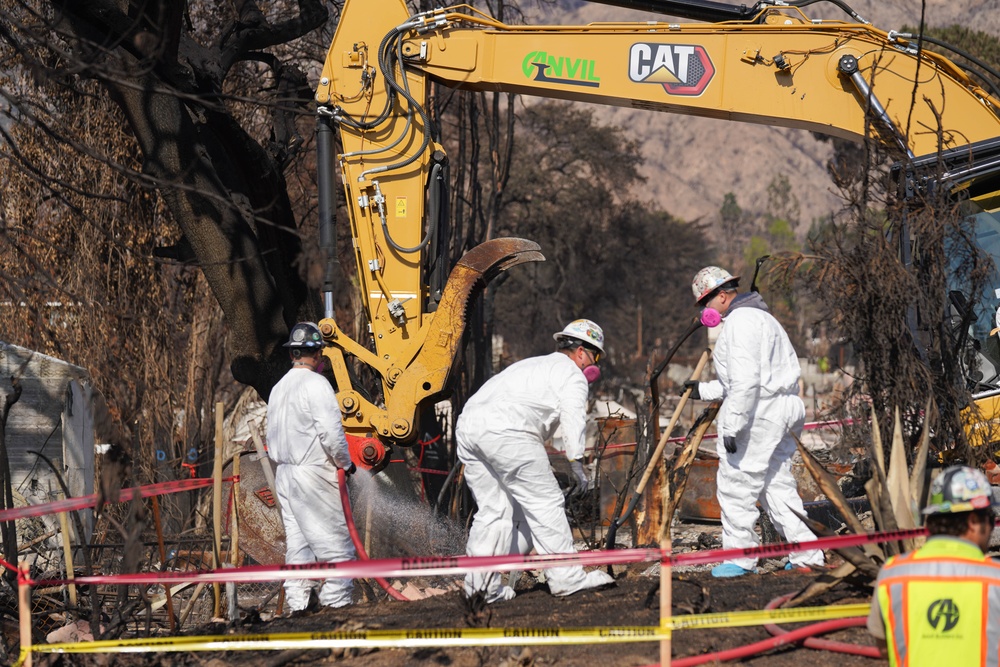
226 191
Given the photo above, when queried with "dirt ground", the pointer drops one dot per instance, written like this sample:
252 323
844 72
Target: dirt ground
632 601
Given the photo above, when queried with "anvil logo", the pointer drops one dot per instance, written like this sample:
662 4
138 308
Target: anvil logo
682 69
540 66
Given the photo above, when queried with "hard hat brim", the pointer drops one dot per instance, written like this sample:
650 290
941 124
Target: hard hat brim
560 335
734 281
979 503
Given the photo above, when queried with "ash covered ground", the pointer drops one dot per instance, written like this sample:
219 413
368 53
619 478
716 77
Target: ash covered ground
634 600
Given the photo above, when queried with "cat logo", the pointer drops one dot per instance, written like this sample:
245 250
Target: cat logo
682 69
943 610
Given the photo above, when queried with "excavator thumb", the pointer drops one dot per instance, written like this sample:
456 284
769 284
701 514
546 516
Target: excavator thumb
427 375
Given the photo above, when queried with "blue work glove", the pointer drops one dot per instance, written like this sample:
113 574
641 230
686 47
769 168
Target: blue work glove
730 443
582 483
693 386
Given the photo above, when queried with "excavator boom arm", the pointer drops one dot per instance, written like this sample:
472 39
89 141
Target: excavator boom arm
784 70
778 67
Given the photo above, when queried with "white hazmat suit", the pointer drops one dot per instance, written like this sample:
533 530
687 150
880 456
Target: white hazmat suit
758 381
305 438
501 434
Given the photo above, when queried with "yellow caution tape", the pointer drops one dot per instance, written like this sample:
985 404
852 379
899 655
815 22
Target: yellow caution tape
736 619
414 638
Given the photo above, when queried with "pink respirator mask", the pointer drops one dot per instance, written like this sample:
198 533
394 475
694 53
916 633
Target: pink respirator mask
710 317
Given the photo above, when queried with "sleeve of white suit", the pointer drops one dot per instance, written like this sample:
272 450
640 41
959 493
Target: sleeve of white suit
326 411
573 413
711 391
744 378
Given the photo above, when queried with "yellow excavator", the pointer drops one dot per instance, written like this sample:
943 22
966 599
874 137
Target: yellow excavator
768 63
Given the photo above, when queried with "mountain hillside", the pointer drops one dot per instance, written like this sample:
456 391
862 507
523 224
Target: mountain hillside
691 163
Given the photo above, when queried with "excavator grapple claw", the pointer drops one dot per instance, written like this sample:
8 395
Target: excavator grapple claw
496 255
427 375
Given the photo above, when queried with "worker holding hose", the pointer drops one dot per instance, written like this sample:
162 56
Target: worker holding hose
940 604
758 384
501 436
306 439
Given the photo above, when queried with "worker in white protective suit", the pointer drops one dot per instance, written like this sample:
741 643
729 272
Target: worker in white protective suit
306 439
501 434
758 382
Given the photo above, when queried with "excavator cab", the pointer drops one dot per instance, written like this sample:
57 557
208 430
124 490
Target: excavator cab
983 328
980 351
971 175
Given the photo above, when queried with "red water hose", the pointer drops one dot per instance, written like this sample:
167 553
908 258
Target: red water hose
345 500
818 643
790 637
782 637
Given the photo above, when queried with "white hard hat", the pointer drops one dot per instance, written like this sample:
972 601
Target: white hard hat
710 279
959 489
585 331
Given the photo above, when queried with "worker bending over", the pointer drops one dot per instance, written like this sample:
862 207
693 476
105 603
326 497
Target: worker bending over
501 436
305 438
758 383
940 605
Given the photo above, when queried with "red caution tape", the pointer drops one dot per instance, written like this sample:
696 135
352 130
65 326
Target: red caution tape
454 565
85 502
785 548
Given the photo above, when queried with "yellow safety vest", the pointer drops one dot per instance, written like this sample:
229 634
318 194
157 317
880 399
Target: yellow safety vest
941 606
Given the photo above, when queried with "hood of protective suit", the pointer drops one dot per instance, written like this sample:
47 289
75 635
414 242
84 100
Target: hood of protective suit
748 300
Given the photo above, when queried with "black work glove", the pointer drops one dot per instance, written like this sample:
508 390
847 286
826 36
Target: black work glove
730 442
693 386
351 469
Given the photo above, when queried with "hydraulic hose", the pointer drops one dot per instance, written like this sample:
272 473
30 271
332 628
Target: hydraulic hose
961 52
345 500
839 3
